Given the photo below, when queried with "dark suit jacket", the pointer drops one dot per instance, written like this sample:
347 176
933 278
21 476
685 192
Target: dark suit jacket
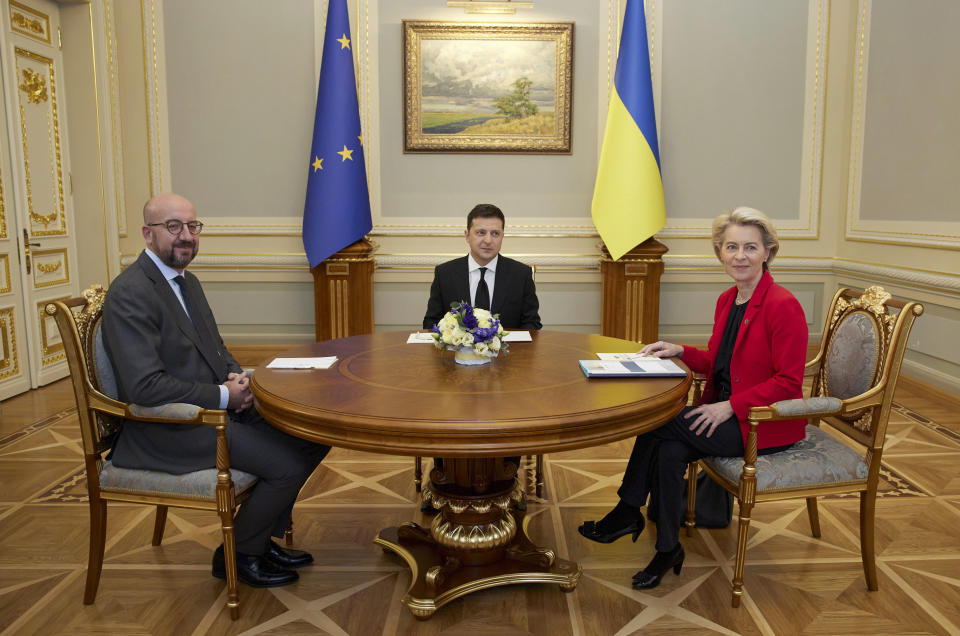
514 294
767 361
159 357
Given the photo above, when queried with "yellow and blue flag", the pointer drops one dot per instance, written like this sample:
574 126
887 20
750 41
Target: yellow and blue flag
627 206
337 208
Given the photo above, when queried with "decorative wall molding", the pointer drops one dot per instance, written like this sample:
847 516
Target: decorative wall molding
913 278
806 225
910 231
155 87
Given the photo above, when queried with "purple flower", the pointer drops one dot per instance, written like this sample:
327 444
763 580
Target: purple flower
469 320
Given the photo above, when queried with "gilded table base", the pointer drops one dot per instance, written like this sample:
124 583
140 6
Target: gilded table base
439 579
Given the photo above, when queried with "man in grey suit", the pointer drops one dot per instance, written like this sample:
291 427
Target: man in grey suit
163 342
484 278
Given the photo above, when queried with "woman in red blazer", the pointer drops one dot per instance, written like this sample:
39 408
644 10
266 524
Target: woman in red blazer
755 357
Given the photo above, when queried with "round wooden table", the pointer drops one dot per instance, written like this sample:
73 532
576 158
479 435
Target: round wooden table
386 396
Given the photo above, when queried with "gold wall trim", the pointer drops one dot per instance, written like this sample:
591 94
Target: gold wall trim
51 347
9 362
46 264
3 211
29 22
5 282
40 223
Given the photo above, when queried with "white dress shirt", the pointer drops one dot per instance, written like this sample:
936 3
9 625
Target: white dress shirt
474 276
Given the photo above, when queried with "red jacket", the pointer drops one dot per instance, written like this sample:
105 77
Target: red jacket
767 362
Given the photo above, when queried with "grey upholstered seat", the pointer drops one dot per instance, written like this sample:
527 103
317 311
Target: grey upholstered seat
817 460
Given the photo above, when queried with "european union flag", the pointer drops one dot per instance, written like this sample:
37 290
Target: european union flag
627 206
337 208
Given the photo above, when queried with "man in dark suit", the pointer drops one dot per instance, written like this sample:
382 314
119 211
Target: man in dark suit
507 285
486 280
163 342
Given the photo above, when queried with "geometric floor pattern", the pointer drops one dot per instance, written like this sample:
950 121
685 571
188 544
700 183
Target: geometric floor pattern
794 584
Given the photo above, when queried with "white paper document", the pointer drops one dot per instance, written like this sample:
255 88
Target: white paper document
420 337
625 356
655 368
518 336
302 363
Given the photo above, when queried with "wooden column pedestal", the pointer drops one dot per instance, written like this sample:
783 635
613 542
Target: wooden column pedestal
343 292
631 292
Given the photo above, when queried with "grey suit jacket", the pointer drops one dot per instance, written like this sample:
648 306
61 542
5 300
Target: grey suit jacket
159 356
514 294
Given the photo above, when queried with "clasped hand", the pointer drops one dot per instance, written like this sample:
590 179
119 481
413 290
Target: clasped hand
241 397
707 417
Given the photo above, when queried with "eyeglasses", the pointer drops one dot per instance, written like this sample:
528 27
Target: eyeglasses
175 227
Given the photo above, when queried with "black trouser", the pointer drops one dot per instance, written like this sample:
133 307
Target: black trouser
659 461
282 462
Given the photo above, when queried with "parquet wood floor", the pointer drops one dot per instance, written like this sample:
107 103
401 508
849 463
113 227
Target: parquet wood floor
795 584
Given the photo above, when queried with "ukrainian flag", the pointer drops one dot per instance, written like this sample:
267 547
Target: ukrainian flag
337 208
628 204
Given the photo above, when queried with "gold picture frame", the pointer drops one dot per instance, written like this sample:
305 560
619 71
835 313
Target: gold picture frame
487 87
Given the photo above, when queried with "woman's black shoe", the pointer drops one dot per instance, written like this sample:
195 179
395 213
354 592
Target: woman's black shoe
651 575
591 530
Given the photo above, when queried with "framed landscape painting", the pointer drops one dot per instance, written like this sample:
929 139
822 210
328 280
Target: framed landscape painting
480 87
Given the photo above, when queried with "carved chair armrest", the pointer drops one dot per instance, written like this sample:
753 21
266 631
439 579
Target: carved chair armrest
178 412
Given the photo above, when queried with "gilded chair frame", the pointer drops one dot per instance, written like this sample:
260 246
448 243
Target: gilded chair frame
100 418
860 418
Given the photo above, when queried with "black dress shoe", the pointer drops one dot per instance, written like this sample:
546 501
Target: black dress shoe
591 530
286 557
253 570
651 575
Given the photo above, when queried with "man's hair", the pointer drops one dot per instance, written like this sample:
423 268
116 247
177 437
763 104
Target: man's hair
485 211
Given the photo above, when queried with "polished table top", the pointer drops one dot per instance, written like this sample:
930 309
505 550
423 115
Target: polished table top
386 396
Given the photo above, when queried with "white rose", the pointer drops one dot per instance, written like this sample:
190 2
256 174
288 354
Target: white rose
467 339
484 322
482 348
495 344
448 337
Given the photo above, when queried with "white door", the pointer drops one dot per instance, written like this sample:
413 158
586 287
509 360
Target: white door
38 248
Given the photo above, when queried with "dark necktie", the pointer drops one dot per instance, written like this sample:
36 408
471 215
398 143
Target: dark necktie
483 292
207 341
191 310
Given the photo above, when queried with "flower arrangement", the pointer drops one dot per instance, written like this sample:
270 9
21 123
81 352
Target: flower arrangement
467 328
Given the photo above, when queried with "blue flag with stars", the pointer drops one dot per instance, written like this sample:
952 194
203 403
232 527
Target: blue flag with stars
337 208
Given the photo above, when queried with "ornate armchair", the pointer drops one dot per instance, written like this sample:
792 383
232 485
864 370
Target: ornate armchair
854 376
218 489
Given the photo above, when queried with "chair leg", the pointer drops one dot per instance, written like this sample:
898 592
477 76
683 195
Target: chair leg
98 541
868 505
230 563
288 533
814 515
745 511
159 524
690 521
540 476
418 473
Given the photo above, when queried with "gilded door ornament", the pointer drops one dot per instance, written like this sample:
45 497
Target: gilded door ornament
40 136
34 85
26 23
29 22
9 365
48 268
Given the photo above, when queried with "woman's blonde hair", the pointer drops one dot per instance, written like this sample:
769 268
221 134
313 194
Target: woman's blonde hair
747 216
